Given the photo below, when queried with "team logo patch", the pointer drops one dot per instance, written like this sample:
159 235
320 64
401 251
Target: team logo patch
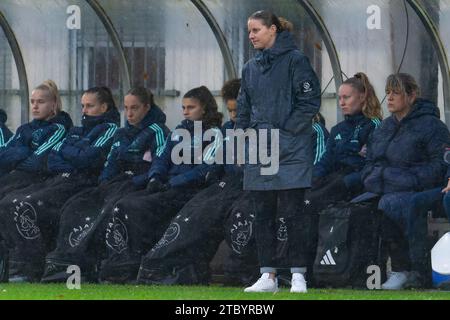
241 233
78 234
306 87
282 233
37 135
117 236
25 217
171 234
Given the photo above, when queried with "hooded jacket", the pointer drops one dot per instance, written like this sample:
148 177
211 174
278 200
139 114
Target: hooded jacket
347 138
280 90
28 149
134 147
5 133
85 148
186 174
319 138
407 155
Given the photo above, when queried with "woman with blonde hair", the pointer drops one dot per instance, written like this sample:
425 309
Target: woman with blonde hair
29 217
23 159
404 157
345 150
336 177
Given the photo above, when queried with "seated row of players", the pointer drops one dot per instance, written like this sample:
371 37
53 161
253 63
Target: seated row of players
97 194
141 217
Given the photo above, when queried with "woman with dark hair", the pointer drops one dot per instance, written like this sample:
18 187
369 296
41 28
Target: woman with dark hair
83 218
139 219
280 90
405 156
29 217
183 253
5 133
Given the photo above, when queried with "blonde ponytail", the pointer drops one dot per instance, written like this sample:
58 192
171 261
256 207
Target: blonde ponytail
51 87
371 105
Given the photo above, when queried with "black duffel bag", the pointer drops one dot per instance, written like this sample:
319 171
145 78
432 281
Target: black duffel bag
349 242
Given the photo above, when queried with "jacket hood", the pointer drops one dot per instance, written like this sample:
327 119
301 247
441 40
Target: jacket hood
111 116
186 124
190 125
422 107
3 116
64 119
283 44
155 115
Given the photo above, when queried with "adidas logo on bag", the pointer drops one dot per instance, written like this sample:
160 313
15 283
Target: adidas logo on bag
328 259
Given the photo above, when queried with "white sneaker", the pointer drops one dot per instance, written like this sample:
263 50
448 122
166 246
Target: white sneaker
298 283
264 284
395 281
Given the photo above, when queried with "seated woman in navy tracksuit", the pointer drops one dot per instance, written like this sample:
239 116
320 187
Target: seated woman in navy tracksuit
404 157
80 239
29 217
23 160
5 133
345 151
336 176
195 232
139 219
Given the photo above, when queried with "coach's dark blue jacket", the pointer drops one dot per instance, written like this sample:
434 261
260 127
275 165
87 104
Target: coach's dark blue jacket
28 149
186 174
85 148
132 143
5 133
407 155
344 144
320 136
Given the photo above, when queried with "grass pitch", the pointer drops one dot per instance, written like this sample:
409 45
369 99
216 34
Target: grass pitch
141 292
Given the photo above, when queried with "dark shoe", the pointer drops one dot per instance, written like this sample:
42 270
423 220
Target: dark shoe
445 286
4 265
119 271
189 274
414 281
55 273
24 272
19 279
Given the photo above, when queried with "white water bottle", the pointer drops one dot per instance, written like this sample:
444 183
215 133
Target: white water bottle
440 262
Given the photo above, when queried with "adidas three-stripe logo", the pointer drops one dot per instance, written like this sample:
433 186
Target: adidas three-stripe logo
328 259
